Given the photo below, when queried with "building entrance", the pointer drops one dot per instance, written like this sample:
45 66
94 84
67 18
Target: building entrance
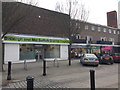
38 52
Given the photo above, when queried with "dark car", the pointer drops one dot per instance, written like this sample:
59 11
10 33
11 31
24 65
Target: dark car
106 59
116 57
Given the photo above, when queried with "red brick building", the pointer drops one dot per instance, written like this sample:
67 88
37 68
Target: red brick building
112 19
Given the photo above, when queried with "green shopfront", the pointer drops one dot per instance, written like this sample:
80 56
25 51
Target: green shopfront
18 48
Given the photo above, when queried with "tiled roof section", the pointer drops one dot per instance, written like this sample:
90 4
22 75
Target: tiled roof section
38 21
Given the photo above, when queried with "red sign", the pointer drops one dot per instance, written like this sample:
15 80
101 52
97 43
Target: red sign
108 47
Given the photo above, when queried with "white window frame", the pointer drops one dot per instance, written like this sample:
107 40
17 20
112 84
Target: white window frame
78 25
110 31
78 36
103 38
114 31
92 28
111 39
118 32
99 29
86 27
88 38
104 29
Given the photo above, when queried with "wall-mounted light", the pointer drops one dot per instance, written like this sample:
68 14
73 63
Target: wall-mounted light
39 16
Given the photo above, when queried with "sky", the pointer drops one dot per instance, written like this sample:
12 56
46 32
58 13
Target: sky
97 8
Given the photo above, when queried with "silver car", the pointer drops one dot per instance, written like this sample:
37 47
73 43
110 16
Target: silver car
89 59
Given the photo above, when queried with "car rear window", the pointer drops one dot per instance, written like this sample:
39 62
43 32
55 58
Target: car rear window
90 55
106 55
117 54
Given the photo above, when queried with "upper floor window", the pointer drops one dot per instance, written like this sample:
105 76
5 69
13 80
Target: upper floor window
118 32
99 29
103 39
104 29
78 36
93 28
86 27
78 25
114 32
110 31
111 39
89 38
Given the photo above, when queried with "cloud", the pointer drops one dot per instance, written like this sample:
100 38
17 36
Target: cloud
97 8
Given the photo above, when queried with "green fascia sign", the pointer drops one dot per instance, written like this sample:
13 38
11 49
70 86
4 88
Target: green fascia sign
32 39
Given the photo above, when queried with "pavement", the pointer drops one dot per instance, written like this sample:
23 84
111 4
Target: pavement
61 75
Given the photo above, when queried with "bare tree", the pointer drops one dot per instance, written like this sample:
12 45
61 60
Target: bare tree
13 13
76 14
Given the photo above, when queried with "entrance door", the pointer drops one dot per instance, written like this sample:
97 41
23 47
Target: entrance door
38 55
38 52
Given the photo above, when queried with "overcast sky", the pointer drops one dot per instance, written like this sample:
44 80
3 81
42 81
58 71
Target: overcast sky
97 8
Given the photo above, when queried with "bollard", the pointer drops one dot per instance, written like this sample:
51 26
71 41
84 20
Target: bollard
57 63
92 79
25 65
30 84
9 71
44 68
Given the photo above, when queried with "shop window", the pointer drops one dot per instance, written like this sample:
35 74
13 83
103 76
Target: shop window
27 52
30 52
52 51
77 52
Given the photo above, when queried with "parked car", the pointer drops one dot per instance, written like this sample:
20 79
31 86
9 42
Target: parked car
89 59
106 59
116 57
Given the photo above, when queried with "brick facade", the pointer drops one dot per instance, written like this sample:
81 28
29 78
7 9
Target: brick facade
96 35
